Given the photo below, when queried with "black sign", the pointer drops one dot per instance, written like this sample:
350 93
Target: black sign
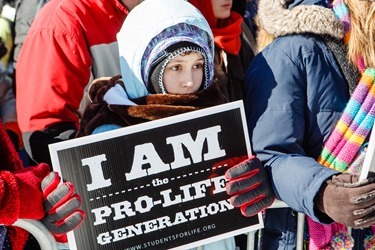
160 184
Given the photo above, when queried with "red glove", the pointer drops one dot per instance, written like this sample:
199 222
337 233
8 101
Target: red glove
249 187
61 205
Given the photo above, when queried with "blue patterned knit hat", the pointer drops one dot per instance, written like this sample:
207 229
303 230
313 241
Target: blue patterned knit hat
158 52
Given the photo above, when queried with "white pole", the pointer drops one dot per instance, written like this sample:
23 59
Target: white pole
40 232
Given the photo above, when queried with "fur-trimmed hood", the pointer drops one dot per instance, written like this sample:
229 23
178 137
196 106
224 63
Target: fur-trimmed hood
285 17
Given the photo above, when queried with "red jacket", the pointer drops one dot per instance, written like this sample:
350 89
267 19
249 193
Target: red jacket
69 44
20 190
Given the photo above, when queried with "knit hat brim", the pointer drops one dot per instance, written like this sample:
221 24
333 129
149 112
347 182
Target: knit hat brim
156 83
161 45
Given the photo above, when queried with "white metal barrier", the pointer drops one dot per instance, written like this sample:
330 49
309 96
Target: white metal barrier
300 228
45 239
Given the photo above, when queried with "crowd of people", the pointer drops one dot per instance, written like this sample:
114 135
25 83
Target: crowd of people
304 69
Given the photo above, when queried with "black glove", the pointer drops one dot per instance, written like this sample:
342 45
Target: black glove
347 201
61 205
249 187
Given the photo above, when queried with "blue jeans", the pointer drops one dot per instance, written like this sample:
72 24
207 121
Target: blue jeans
280 227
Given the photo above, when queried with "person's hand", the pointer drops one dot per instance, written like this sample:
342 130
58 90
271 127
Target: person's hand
61 205
347 201
249 187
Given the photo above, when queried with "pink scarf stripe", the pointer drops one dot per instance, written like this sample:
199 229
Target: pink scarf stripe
361 64
329 159
345 157
335 137
349 145
351 149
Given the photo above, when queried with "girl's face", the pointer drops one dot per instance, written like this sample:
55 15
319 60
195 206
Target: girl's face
221 8
184 74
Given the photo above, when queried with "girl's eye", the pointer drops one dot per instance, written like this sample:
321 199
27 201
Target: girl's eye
176 67
198 66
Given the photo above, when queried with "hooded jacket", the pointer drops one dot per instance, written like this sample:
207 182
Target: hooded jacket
295 93
128 101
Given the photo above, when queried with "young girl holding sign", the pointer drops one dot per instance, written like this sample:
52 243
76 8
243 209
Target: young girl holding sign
167 69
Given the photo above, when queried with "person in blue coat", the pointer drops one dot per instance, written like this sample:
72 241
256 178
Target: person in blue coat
296 89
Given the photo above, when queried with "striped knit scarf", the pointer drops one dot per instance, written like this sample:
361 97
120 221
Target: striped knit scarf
345 141
353 127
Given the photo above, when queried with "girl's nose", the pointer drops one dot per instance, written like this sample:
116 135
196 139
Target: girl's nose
189 79
189 83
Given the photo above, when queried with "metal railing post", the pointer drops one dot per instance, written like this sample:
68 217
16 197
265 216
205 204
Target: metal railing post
300 228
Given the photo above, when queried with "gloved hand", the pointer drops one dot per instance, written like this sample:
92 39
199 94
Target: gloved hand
61 206
249 187
347 201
